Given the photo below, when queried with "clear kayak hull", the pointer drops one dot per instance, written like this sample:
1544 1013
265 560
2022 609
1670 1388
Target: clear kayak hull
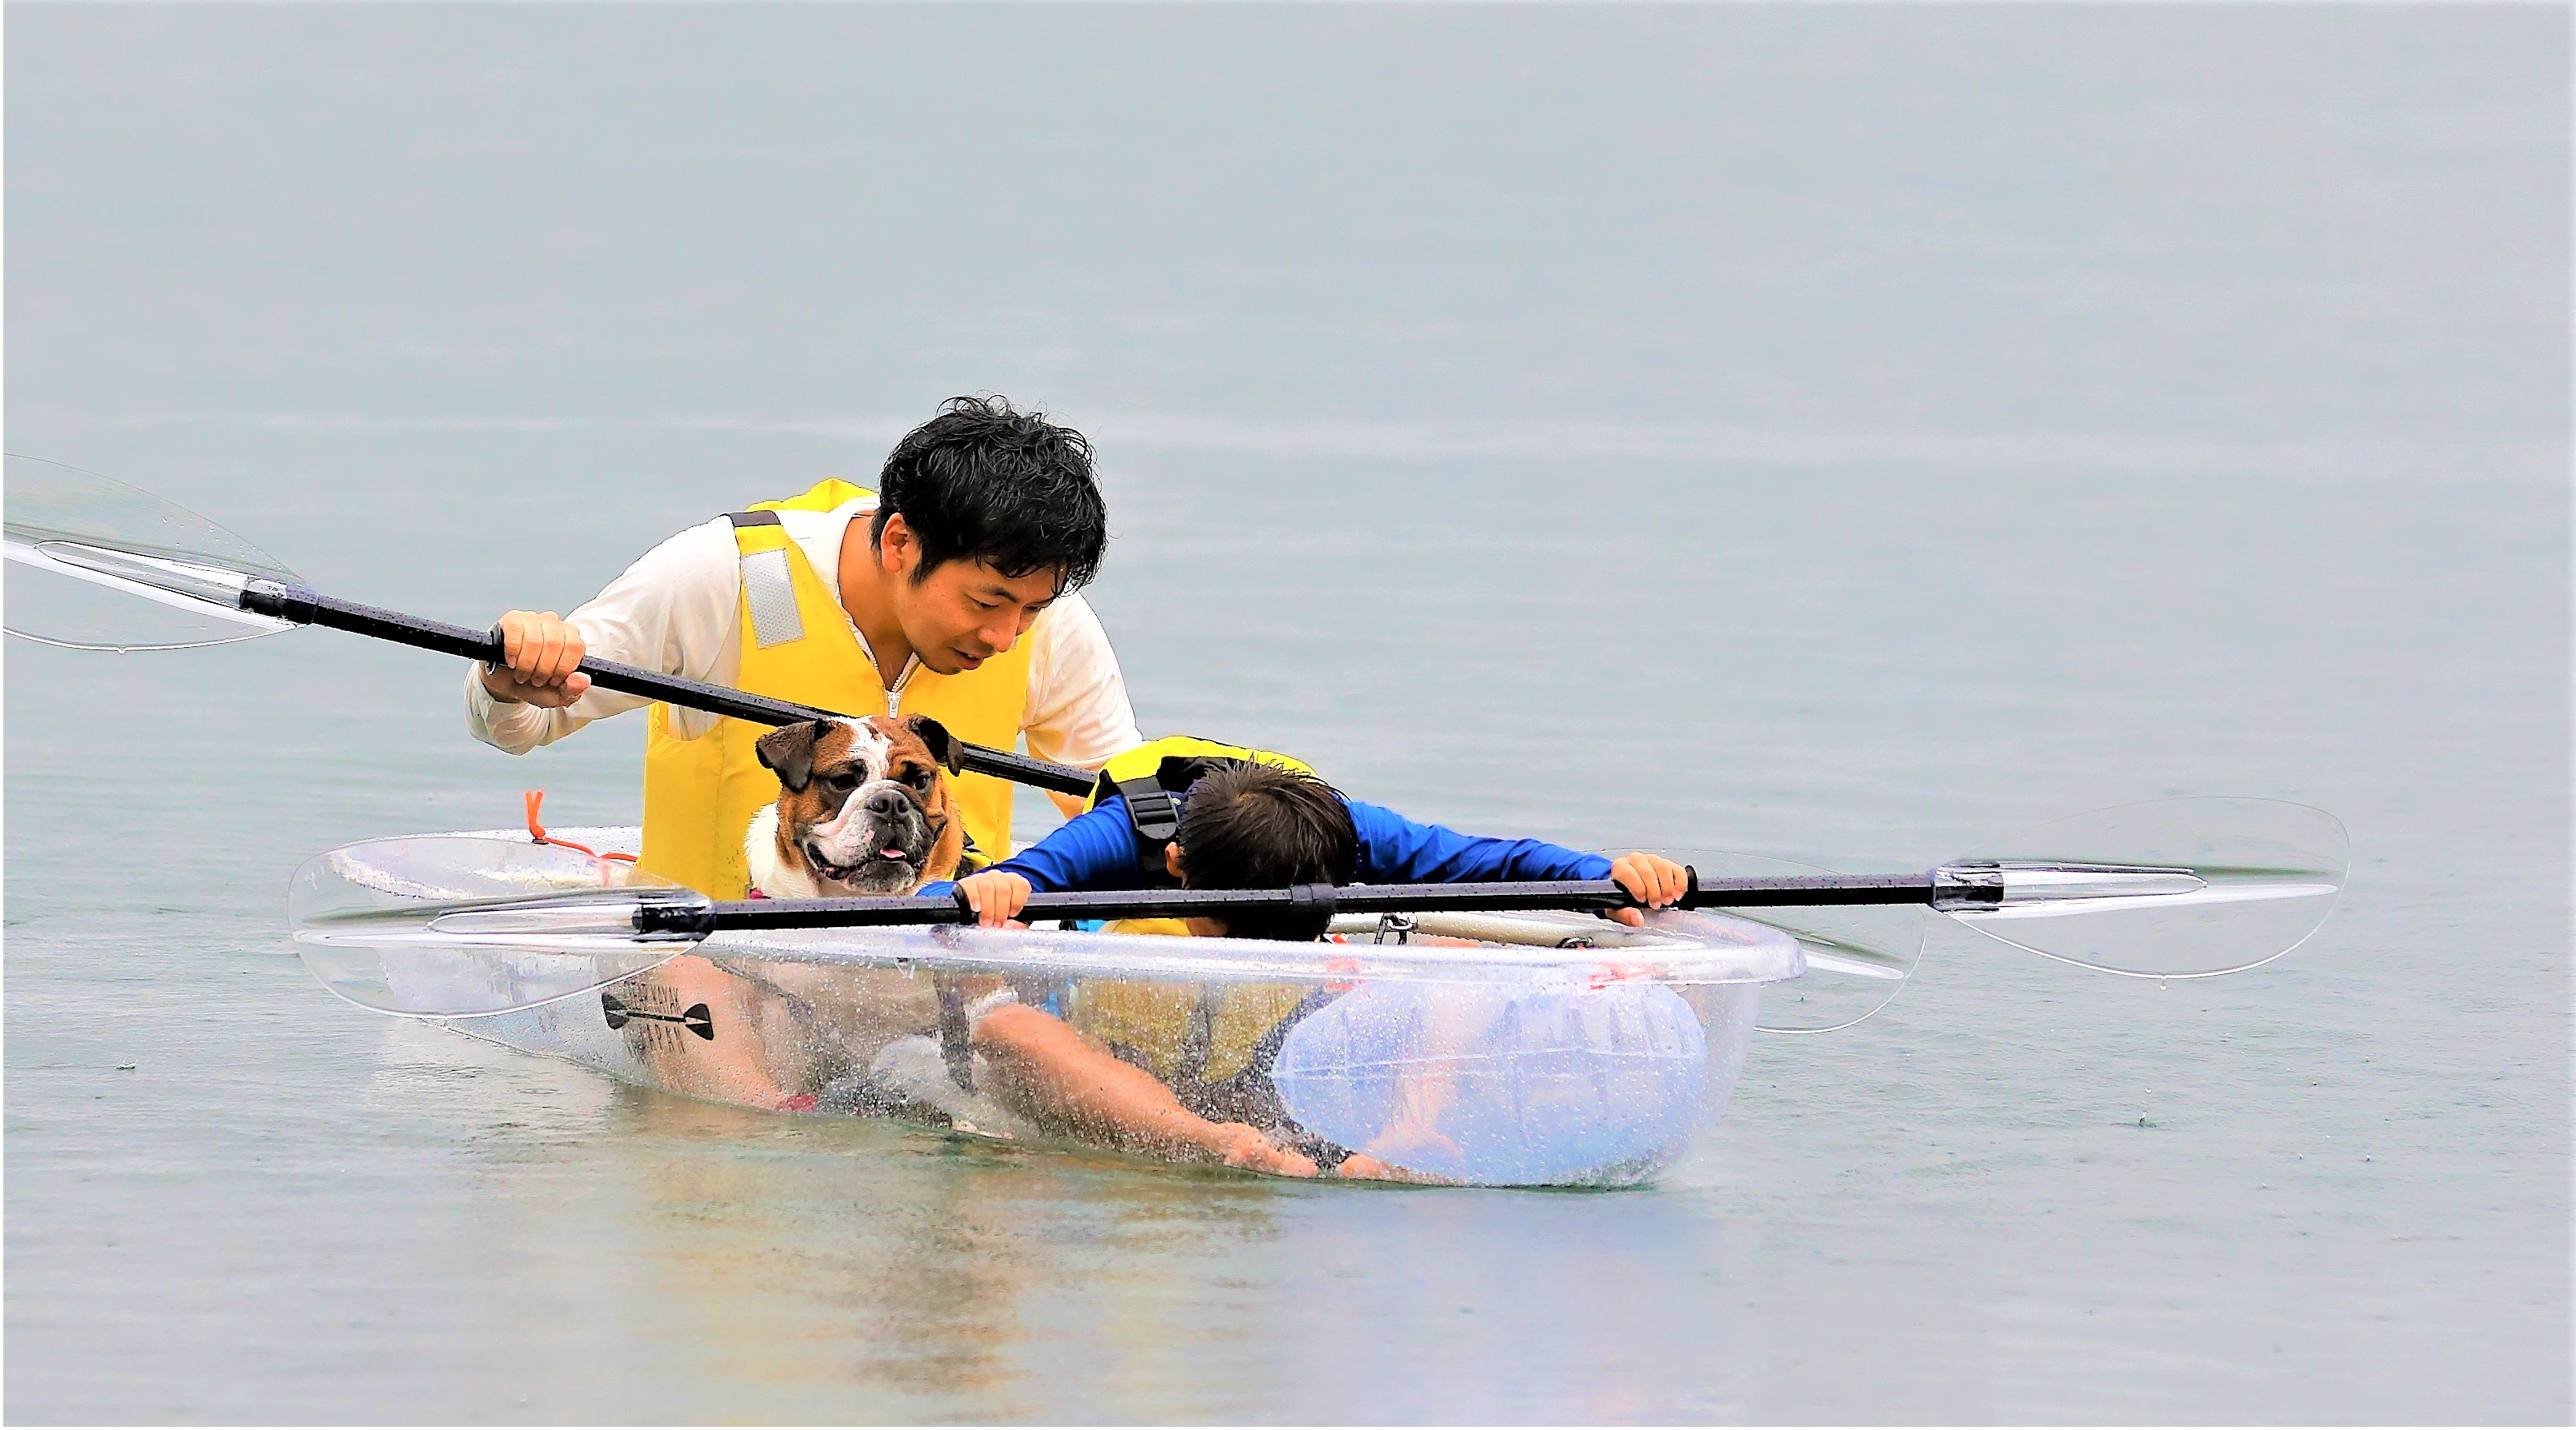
1531 1049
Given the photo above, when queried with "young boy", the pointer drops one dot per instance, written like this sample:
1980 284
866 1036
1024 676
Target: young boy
1193 1071
1261 825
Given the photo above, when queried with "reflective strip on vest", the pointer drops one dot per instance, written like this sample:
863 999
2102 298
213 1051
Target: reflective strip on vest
769 590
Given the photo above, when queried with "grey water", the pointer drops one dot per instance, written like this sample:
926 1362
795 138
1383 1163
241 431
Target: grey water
1843 432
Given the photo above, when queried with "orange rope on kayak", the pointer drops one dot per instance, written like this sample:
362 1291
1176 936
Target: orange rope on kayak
536 800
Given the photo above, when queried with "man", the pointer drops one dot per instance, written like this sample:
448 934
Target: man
949 592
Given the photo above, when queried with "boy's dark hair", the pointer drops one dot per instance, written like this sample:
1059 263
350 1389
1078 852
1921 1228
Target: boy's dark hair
981 482
1257 826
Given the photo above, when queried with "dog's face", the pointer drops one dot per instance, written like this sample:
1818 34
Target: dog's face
864 805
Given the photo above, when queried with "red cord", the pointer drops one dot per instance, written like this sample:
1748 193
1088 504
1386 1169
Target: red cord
536 799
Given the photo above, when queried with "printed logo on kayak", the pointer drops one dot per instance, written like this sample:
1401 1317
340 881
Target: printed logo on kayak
630 1010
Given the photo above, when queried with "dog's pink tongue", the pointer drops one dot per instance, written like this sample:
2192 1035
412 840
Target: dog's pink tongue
889 852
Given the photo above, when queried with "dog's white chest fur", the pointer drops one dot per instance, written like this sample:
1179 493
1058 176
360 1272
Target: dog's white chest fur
770 874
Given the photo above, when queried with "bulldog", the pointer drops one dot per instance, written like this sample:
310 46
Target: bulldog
863 808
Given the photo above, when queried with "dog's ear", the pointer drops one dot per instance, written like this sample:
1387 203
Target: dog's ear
789 751
944 747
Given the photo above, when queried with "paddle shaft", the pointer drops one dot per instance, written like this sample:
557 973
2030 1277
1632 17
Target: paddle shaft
689 918
311 608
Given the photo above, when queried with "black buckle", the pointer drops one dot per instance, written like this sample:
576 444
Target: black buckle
1151 809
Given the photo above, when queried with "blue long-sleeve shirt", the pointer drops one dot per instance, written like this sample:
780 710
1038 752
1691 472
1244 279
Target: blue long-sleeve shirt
1097 850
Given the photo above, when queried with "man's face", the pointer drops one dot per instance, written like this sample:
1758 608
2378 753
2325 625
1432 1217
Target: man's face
963 613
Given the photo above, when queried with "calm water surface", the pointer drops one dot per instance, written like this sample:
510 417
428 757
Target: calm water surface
1840 432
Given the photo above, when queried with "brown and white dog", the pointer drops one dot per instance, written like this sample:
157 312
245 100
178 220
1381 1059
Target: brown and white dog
863 808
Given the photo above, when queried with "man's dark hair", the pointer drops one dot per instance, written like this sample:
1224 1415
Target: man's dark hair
1257 826
982 482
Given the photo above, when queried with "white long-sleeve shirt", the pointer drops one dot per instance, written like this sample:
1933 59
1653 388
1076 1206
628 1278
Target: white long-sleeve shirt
678 610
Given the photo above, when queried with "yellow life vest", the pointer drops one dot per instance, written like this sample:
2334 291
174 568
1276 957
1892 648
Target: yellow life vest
1180 1031
799 644
1153 776
1148 758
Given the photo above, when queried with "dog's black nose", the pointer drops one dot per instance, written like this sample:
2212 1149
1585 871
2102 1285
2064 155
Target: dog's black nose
888 804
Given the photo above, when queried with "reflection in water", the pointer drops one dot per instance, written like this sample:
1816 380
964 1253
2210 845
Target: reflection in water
858 1268
1584 1306
933 1268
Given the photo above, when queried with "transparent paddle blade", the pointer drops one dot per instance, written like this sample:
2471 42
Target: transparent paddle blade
2172 888
452 926
97 565
1857 957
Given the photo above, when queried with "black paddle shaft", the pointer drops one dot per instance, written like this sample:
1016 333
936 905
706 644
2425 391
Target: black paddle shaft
692 919
310 608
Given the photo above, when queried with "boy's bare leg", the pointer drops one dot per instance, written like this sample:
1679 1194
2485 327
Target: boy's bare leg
1046 1063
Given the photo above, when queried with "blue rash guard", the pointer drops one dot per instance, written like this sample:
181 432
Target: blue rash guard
1097 850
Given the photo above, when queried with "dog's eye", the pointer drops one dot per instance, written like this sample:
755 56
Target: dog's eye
841 782
918 777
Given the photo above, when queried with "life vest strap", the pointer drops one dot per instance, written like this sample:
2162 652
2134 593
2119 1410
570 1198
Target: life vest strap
1198 1042
1154 795
1154 814
956 1042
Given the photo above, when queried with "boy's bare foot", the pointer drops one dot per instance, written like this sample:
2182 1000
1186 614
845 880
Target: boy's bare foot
1238 1145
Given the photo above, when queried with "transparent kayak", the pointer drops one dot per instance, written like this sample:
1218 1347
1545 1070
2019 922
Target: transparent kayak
1538 1049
